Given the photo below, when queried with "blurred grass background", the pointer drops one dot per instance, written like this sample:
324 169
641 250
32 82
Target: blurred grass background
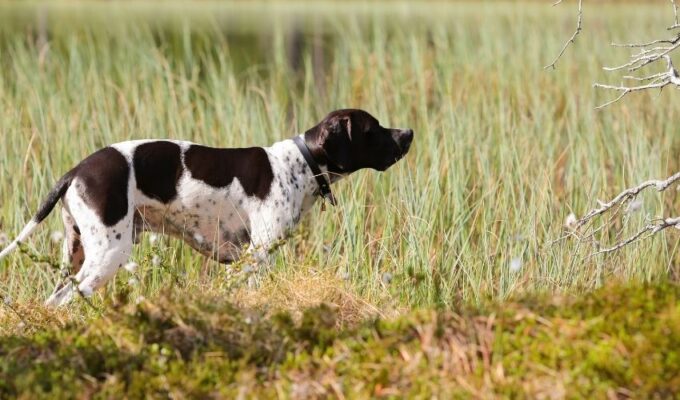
504 150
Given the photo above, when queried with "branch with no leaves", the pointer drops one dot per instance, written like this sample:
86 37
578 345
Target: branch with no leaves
645 54
622 198
644 233
571 40
656 81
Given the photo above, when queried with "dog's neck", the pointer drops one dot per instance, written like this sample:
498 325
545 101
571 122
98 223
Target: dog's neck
321 178
294 173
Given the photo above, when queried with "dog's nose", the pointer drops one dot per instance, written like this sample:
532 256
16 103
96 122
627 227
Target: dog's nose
408 134
406 138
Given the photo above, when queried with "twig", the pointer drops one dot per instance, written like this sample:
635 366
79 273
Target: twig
573 36
651 230
659 81
618 201
82 295
650 52
627 194
646 56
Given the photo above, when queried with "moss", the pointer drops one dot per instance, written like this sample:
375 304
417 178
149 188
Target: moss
623 339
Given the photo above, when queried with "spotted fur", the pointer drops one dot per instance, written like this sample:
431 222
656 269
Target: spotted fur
222 202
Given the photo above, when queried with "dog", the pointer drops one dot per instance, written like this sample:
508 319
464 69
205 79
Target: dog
223 202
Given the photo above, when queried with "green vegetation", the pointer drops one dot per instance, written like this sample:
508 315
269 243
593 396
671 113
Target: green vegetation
620 340
504 151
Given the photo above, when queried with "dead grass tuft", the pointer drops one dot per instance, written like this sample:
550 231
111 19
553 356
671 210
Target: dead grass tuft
295 291
26 318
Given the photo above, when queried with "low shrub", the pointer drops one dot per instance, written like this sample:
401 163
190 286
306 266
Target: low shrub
621 340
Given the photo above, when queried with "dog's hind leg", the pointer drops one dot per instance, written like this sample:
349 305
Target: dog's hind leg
72 258
105 249
105 253
73 254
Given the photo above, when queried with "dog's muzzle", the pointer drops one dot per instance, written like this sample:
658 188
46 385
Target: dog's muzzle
403 139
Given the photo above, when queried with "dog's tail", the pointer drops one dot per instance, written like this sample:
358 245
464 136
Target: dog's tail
45 209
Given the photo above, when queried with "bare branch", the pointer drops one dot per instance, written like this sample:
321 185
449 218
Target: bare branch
644 233
617 202
648 53
653 42
573 36
646 56
658 81
660 185
652 78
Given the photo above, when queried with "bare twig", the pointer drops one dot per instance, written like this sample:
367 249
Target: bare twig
648 231
649 52
627 194
571 40
658 81
82 295
646 53
618 201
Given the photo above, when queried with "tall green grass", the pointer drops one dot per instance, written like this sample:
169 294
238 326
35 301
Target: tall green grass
504 150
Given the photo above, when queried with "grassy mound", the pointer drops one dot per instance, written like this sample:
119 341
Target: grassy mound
617 341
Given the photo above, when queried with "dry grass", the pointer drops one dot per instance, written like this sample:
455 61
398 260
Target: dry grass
302 288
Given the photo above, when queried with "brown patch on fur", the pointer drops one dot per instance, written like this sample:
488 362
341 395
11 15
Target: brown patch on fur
158 167
104 178
219 167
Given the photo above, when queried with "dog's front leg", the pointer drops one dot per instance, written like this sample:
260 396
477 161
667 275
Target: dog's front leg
265 234
256 263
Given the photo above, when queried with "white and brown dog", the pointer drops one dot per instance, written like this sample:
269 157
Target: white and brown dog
220 201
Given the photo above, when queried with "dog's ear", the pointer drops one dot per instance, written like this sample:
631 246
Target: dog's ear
337 141
341 125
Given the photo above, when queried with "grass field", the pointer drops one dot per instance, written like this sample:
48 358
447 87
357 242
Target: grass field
504 150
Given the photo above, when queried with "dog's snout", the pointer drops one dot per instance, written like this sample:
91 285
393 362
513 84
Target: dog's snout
407 135
405 138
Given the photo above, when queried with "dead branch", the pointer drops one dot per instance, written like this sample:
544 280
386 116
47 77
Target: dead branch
626 195
622 198
645 54
571 40
644 233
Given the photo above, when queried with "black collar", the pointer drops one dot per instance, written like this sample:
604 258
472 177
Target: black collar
324 185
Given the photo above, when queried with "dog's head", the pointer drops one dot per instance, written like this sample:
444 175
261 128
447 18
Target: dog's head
349 140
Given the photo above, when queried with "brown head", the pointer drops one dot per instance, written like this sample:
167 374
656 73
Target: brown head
348 140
